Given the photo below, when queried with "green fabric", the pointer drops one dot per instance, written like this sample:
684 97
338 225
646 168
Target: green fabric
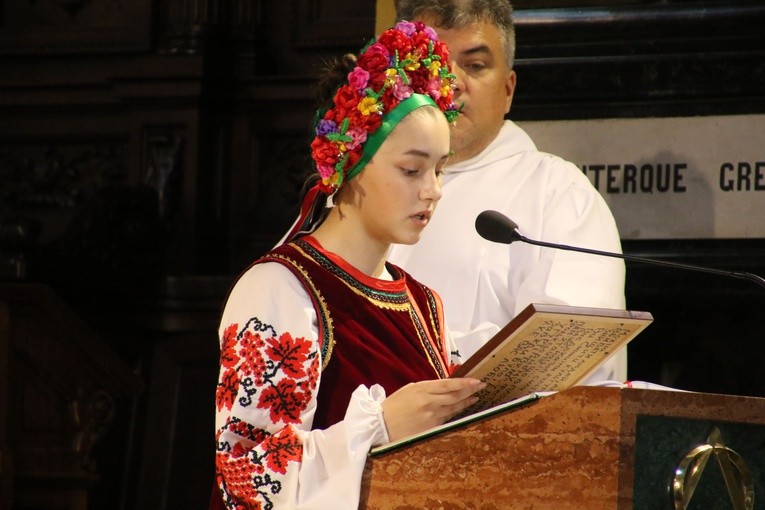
390 120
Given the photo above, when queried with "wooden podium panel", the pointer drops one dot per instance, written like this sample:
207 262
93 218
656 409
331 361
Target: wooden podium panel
573 450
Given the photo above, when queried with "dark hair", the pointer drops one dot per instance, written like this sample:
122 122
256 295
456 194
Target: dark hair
460 13
333 74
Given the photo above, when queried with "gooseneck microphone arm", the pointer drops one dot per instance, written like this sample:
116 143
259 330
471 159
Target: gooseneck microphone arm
736 274
495 226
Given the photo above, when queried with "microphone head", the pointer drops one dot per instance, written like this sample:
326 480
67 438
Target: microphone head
495 226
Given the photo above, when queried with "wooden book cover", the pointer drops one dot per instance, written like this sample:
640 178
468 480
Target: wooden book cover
548 348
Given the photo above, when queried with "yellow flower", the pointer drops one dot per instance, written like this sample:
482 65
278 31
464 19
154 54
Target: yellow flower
435 68
414 62
390 77
368 106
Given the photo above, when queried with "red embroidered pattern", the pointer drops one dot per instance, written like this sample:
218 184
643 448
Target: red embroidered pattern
275 374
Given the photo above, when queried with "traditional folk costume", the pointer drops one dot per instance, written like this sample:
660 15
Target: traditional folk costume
311 346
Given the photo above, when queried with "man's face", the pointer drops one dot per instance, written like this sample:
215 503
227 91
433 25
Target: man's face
484 83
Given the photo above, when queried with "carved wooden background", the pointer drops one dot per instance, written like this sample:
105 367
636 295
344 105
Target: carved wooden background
150 149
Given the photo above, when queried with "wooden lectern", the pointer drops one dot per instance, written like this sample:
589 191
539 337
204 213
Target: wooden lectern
585 448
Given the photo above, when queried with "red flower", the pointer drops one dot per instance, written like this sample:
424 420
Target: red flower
444 102
374 61
368 122
324 151
442 50
421 41
419 81
347 99
395 40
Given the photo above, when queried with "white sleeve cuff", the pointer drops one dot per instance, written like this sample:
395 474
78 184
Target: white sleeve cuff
364 418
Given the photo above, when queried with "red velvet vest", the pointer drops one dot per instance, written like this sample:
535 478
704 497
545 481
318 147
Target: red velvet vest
371 331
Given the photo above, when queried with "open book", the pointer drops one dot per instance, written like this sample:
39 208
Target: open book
548 348
544 349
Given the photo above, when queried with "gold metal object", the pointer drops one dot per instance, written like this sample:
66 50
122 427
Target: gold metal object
737 475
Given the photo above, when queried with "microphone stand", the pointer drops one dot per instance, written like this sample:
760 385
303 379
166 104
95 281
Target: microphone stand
736 274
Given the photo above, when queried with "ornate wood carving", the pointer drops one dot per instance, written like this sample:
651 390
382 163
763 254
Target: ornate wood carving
163 165
74 26
61 384
636 60
201 26
41 187
57 175
320 24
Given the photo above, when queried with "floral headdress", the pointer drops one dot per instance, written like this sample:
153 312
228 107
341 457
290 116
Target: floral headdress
407 64
405 68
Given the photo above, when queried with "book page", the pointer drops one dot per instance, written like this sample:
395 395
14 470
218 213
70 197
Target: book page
548 350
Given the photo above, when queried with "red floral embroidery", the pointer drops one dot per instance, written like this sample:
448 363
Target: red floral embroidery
228 355
283 401
253 363
282 449
278 374
291 353
238 473
227 389
313 374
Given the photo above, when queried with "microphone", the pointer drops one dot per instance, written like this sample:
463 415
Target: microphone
495 226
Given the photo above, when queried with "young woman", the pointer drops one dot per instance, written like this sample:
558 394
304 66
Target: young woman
327 350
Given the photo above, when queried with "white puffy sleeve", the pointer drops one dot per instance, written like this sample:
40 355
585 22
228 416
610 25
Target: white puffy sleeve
270 374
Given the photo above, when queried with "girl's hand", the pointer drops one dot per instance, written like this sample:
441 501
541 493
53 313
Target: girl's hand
420 406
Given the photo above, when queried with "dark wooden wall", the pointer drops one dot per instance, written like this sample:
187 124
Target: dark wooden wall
150 150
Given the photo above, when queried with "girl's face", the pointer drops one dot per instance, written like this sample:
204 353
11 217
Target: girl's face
394 196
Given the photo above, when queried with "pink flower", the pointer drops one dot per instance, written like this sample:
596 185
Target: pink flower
401 90
325 171
359 136
434 88
358 78
430 33
407 27
377 48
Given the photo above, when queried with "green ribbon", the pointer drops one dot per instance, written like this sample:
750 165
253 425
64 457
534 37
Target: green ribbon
389 121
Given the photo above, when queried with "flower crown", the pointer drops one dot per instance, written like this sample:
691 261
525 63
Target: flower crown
407 67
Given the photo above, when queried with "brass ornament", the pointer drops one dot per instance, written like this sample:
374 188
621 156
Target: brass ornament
736 473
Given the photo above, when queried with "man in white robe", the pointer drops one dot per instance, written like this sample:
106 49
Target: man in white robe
496 166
